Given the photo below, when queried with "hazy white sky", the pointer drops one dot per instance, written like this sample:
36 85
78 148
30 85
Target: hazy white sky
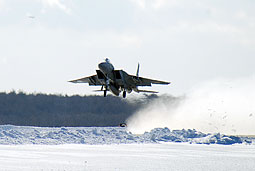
182 41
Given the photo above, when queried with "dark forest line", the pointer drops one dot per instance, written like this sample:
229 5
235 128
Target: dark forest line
61 110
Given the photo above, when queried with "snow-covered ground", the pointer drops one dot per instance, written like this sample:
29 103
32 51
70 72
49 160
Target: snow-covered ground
114 148
142 157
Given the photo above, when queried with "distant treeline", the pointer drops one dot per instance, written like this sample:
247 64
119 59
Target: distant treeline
59 110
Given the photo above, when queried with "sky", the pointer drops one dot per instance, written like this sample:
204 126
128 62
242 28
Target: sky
45 43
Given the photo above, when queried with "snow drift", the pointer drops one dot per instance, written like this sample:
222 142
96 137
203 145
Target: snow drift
108 135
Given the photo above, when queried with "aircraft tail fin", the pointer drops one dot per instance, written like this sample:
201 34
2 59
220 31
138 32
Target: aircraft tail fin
137 72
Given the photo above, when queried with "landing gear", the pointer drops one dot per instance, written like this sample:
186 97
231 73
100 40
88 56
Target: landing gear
104 93
124 94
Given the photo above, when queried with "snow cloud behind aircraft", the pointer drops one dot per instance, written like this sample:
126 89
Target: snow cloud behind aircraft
221 105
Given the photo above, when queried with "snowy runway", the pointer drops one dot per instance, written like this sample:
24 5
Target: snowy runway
166 156
114 149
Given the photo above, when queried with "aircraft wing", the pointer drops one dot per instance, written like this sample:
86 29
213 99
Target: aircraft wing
140 81
91 80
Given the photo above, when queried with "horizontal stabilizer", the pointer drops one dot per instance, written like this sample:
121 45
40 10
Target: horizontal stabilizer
146 91
97 90
75 81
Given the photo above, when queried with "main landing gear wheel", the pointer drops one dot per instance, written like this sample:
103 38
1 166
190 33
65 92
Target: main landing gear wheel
104 93
124 94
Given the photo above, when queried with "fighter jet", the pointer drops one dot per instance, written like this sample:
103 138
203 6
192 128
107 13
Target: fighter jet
117 81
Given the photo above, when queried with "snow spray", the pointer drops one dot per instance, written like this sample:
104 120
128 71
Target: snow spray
221 105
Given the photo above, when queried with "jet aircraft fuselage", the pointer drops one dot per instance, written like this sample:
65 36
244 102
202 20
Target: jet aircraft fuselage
117 80
107 69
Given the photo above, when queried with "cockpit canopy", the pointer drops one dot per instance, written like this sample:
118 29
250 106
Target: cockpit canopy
107 60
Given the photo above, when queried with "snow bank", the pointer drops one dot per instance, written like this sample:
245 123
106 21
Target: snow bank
108 135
